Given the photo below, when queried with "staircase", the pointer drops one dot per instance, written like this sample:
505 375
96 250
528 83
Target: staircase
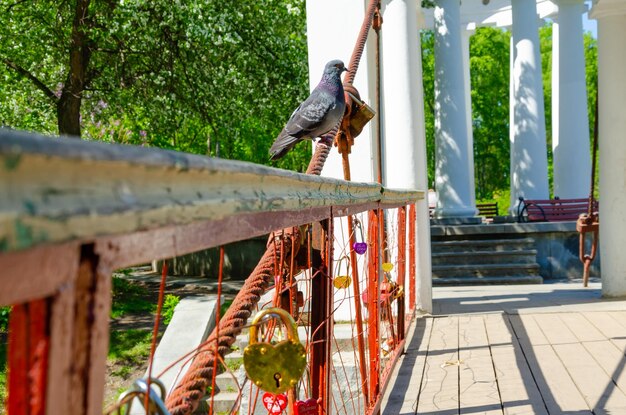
484 261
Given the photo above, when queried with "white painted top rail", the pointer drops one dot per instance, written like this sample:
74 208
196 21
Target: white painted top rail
55 190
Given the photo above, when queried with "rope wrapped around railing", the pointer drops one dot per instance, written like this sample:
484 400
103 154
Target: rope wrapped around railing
184 399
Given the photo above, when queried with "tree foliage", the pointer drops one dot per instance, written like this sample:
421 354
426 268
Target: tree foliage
428 78
195 76
489 73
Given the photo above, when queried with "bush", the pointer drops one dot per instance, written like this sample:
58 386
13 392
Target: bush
129 297
170 303
5 312
503 198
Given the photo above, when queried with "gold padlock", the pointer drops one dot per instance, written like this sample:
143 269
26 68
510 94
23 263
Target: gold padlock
275 368
361 115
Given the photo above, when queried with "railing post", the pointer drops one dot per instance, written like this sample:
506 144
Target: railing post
321 317
61 365
89 333
28 358
58 346
373 303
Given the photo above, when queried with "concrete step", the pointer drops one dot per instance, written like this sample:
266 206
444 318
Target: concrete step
485 270
226 382
223 403
521 256
481 245
471 280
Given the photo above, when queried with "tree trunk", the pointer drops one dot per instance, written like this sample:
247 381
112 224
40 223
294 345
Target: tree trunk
68 107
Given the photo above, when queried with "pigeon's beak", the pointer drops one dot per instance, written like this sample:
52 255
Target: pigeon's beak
344 69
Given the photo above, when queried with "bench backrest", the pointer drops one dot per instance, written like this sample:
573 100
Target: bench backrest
553 210
488 210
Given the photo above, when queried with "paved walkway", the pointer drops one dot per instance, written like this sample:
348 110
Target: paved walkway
533 349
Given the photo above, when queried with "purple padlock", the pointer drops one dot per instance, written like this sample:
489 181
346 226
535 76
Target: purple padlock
359 247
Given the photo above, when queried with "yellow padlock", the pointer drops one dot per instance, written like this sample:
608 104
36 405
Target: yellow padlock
343 281
275 367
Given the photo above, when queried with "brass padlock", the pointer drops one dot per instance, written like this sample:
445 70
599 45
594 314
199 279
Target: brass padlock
275 367
361 115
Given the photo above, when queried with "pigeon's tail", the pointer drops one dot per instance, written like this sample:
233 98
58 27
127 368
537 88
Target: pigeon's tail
278 154
282 145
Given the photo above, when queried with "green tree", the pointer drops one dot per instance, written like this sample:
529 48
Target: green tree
194 76
428 79
489 74
545 50
591 77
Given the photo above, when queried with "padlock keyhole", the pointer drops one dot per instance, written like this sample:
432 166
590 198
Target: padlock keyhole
277 378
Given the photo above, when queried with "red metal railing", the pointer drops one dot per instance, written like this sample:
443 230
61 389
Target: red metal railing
56 272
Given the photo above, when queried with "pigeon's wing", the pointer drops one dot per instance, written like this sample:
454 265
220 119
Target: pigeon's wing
283 143
310 118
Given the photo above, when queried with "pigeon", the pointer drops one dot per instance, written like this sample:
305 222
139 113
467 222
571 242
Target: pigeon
317 115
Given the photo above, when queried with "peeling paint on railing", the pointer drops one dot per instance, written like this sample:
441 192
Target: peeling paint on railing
56 190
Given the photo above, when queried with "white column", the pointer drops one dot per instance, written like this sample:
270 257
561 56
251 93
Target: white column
403 123
611 18
570 122
529 161
452 163
466 33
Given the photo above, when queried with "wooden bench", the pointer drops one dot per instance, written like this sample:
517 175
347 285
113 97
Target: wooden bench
488 210
551 210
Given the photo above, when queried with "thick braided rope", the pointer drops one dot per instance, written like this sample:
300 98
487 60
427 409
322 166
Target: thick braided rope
359 46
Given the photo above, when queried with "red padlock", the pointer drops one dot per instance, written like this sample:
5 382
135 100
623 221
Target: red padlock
308 407
275 404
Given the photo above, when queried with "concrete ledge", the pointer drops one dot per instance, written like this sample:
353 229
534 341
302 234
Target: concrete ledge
503 228
556 243
456 221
